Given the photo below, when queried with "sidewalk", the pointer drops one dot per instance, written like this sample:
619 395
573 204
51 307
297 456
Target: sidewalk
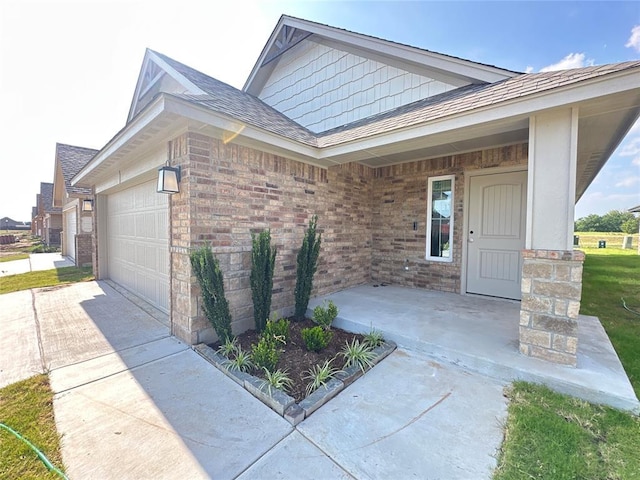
132 402
36 261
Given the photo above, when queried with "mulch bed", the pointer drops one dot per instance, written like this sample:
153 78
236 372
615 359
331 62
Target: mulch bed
295 358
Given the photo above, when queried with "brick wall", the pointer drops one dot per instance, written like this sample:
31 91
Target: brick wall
400 199
84 250
229 192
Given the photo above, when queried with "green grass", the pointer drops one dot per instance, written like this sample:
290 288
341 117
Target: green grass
17 256
613 239
44 278
555 437
27 408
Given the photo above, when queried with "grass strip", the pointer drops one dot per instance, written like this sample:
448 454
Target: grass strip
27 407
17 256
44 278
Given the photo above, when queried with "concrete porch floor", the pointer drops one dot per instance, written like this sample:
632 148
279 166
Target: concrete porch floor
480 334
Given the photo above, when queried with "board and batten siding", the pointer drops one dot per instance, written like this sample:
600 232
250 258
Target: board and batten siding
321 87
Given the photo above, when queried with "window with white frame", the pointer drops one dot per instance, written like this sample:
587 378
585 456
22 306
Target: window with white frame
440 218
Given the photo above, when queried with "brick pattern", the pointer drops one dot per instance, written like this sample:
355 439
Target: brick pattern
400 199
84 250
229 192
551 293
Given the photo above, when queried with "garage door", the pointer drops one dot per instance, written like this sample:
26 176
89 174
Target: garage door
138 242
70 230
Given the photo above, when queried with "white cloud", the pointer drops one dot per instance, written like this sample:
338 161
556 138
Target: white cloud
529 69
628 182
573 60
634 39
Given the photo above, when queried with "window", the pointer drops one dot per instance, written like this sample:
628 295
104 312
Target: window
440 218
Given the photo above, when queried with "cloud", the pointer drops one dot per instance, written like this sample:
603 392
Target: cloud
573 60
628 182
529 69
634 39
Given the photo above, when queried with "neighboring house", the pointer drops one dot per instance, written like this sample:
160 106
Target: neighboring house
425 170
7 223
49 217
76 203
34 214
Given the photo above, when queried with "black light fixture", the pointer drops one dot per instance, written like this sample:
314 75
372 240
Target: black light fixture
87 205
168 179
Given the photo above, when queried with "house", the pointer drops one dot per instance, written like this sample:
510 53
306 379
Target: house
34 214
425 170
48 220
10 224
76 203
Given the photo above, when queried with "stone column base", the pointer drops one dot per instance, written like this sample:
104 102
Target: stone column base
551 292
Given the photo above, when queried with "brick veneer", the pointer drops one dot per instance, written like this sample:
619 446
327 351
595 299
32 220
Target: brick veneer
84 250
551 292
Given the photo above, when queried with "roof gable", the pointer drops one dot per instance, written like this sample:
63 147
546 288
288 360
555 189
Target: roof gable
69 161
46 198
323 77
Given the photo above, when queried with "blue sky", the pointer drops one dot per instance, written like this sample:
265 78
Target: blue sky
68 69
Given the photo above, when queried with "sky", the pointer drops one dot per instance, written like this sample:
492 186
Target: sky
68 69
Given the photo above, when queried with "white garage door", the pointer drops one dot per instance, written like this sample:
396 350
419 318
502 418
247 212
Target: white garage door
70 230
138 242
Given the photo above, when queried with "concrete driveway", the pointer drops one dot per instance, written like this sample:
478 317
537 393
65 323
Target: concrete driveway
132 402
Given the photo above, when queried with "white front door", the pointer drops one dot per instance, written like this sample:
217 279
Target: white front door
496 234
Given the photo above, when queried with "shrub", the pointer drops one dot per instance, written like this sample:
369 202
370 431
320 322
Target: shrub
214 303
325 316
265 354
278 379
307 262
263 259
319 376
374 338
277 329
242 361
316 338
360 354
229 348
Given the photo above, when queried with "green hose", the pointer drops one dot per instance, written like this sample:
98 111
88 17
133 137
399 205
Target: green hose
41 455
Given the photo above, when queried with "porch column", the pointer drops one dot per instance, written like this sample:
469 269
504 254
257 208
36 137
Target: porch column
551 271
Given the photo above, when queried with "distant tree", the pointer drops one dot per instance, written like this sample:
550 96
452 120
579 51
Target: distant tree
631 226
609 222
590 223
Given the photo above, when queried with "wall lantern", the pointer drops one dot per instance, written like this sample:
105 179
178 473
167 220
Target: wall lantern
87 205
168 179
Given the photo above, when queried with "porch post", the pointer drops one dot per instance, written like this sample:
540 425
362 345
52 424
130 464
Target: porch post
551 271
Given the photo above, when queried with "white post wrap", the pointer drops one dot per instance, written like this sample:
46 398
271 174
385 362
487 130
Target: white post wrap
553 152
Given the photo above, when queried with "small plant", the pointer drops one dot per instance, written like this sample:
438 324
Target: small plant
278 379
360 354
229 348
316 338
214 303
263 260
374 338
324 316
307 262
278 329
319 376
242 361
265 355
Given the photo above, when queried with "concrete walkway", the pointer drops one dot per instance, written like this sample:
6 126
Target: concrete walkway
36 261
132 402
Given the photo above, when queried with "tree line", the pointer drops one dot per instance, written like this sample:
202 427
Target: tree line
613 221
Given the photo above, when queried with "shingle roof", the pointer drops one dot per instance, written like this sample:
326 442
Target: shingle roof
46 198
72 159
247 108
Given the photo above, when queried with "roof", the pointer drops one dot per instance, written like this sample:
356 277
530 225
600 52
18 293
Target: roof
635 209
46 198
72 159
225 99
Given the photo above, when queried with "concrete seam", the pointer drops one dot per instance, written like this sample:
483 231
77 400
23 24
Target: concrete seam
38 334
324 452
263 454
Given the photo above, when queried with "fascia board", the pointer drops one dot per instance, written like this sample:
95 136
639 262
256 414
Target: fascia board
512 109
144 118
263 54
177 76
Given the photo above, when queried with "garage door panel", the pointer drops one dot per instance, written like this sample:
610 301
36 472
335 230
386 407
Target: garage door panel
70 230
138 246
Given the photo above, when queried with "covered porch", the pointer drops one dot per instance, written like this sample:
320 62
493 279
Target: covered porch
480 334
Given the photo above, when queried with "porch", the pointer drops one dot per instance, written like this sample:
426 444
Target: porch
480 334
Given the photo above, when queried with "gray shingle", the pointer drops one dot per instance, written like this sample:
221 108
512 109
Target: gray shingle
72 159
46 198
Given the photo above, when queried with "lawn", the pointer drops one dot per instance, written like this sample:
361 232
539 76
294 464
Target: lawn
26 407
44 278
552 436
14 256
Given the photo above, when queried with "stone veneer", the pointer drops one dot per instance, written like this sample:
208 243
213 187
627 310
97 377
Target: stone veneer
551 292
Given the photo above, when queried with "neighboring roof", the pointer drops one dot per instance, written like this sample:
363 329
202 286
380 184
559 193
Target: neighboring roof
291 30
71 160
34 212
46 198
635 209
